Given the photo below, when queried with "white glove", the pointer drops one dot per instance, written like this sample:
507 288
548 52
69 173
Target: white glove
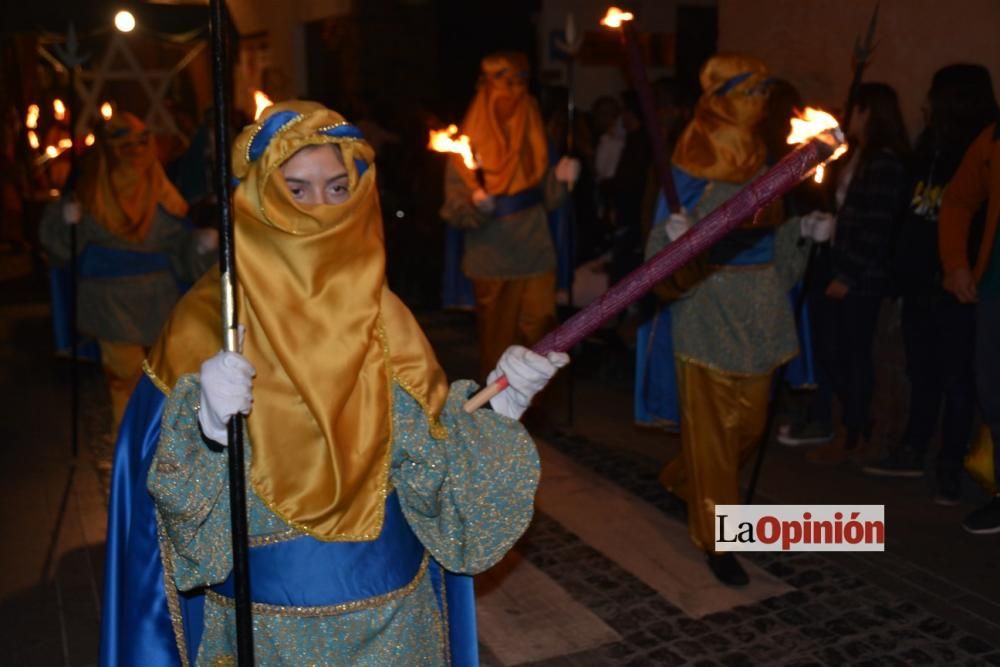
72 211
484 202
677 225
527 373
817 226
567 170
226 388
206 240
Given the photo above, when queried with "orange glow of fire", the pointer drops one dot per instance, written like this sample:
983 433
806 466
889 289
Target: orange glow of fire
59 108
89 140
615 17
262 101
33 139
815 123
106 111
31 120
64 144
445 141
51 151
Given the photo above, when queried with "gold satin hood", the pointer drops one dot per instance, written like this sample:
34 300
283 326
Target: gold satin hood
123 182
722 142
505 128
324 332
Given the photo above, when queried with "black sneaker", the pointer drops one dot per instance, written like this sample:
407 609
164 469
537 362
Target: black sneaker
985 520
900 462
728 570
807 433
949 489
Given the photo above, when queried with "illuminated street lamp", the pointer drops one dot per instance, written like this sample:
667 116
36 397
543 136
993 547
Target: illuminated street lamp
125 21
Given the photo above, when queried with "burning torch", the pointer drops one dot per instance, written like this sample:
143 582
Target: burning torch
622 21
446 141
820 137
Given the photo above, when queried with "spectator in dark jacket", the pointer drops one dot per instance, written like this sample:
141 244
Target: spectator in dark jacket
938 330
870 190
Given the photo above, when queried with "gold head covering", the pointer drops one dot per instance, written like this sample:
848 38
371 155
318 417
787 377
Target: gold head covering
123 182
505 128
721 142
326 335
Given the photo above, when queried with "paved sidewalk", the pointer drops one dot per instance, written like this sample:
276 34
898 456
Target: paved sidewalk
53 509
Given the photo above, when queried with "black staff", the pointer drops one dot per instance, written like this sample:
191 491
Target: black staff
72 59
230 335
570 46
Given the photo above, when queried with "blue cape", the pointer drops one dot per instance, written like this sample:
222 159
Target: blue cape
136 625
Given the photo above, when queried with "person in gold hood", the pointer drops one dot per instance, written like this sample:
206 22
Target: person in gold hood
133 246
369 485
509 254
732 325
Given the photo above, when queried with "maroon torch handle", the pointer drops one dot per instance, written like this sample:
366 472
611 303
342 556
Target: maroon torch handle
637 68
741 207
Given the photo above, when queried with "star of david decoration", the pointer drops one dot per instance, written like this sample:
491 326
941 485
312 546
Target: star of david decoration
119 63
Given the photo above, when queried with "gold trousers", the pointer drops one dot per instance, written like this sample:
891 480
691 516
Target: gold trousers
723 417
123 368
512 312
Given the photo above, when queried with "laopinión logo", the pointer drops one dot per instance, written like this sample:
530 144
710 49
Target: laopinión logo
800 527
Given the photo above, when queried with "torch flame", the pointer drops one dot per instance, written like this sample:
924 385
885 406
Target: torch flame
59 108
262 101
33 139
812 123
32 118
89 139
615 17
816 123
107 111
444 141
64 144
51 151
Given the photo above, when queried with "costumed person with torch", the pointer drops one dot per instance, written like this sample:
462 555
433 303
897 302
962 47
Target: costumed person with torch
731 321
870 197
134 249
369 483
501 206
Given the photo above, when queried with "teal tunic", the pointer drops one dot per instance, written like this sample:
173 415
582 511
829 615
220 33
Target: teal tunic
738 319
467 498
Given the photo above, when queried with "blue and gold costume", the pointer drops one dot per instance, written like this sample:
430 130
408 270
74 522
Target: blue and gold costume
707 361
369 484
509 253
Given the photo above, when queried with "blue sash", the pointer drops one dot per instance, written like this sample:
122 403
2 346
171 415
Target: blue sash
505 205
306 572
98 261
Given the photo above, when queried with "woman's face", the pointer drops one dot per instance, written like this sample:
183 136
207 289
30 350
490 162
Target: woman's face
316 175
133 149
